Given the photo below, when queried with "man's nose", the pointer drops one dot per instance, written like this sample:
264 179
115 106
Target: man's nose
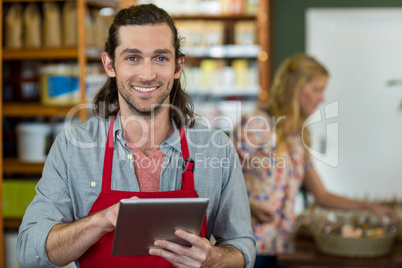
147 71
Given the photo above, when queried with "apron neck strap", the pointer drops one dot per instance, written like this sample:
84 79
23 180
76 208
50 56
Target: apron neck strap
108 161
187 178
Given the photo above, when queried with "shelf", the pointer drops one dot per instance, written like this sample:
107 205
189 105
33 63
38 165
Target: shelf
15 166
16 1
93 3
213 17
224 51
94 54
33 109
40 53
222 91
13 224
102 3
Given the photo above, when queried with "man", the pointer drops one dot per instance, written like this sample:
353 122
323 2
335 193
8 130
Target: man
73 216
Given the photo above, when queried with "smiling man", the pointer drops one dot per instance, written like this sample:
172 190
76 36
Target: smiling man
143 116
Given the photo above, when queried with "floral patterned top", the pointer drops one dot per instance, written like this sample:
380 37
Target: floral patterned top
272 179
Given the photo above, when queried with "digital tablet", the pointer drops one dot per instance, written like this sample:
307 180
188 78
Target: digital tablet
142 221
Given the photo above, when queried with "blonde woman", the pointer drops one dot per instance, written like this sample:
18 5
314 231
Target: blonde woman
275 162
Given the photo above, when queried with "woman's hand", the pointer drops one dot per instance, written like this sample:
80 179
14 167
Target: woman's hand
385 214
261 213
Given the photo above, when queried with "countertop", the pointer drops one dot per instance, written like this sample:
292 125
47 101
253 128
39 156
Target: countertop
306 255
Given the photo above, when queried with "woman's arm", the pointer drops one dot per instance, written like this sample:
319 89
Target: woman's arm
327 199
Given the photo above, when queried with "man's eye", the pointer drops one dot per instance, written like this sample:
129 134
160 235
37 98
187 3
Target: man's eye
161 59
131 58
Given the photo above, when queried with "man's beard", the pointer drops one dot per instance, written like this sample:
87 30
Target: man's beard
155 108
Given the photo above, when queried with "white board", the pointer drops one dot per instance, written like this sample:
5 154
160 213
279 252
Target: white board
362 49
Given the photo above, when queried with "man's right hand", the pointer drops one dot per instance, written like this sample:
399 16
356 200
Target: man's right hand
108 219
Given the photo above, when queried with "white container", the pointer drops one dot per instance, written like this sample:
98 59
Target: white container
33 141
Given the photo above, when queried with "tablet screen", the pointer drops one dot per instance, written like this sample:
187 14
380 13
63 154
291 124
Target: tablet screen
142 221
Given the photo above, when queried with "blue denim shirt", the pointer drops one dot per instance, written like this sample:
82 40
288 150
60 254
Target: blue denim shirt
72 180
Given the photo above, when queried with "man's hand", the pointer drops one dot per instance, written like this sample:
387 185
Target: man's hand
108 217
200 254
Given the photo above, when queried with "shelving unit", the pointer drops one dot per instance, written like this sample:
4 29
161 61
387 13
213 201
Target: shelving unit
17 110
224 95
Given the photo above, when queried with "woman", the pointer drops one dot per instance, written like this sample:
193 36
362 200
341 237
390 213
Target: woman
275 162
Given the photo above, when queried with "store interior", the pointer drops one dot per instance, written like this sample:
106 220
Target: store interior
51 70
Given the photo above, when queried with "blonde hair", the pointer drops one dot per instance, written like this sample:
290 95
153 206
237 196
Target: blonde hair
283 99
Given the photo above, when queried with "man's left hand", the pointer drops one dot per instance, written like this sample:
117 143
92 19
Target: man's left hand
200 254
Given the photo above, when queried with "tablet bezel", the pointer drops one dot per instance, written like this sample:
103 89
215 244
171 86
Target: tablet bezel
160 217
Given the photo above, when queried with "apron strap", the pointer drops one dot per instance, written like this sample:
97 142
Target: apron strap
108 161
187 182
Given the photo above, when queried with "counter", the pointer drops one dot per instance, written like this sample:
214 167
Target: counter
306 255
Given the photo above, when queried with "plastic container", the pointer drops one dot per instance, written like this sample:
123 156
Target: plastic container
59 84
33 141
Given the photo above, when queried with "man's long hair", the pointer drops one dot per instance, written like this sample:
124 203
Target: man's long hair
106 101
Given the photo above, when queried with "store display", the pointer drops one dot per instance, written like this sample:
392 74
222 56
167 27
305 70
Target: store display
347 233
70 28
59 84
210 7
10 244
245 33
32 26
13 27
17 194
33 141
51 25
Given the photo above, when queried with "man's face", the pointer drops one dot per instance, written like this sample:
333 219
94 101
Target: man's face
145 68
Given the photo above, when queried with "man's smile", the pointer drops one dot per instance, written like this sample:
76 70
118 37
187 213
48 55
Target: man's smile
144 89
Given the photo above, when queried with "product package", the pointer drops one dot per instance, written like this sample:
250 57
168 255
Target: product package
51 25
32 26
13 27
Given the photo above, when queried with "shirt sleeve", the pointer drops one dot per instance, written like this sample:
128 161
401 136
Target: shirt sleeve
51 205
233 223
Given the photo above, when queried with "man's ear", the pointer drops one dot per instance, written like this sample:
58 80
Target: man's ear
179 69
108 65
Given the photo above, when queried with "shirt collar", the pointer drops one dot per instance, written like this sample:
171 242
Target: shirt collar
173 141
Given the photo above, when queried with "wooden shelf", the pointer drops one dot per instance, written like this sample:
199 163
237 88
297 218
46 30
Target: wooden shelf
94 3
13 224
33 109
15 166
16 1
102 3
214 17
40 53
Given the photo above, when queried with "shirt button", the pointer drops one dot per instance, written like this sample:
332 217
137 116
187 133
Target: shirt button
93 184
118 137
130 156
